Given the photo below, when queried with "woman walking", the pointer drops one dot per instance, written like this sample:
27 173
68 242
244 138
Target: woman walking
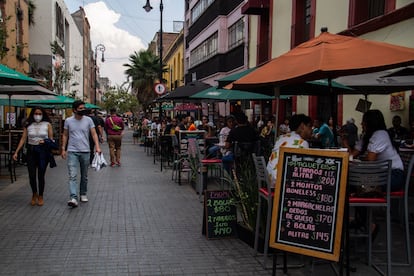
37 131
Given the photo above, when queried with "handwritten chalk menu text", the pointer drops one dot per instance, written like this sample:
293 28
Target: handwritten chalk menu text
309 202
220 214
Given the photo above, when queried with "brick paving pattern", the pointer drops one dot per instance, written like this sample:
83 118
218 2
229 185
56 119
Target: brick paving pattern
137 222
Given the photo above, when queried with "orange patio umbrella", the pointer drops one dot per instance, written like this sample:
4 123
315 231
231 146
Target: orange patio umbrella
327 56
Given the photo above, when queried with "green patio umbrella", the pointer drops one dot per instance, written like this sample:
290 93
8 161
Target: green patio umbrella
233 77
59 102
13 102
219 94
92 106
9 76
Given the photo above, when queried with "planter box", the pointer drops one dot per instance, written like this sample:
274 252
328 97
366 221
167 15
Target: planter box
247 236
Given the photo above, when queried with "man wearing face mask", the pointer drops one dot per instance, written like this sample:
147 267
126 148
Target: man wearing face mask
76 132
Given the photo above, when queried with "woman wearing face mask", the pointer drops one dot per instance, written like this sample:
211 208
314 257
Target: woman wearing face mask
36 130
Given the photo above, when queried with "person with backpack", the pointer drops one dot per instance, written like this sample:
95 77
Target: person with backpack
114 126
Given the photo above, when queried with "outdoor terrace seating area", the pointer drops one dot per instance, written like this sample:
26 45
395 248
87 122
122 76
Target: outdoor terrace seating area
183 155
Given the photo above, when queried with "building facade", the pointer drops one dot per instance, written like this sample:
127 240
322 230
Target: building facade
86 62
14 35
174 63
215 40
56 48
283 25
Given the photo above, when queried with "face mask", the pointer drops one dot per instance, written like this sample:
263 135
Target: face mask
82 112
38 118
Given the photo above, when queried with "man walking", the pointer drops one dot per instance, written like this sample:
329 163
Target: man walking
75 147
114 126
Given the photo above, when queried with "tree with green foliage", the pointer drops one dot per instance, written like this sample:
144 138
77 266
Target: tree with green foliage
142 72
121 99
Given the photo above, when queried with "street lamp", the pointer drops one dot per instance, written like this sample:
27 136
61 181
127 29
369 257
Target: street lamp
148 8
99 47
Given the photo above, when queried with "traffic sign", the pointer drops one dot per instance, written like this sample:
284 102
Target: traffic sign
159 88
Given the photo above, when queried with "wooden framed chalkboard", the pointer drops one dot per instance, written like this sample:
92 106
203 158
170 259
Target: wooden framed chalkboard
219 218
309 200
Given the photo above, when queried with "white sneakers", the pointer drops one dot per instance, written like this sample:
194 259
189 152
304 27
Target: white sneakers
73 203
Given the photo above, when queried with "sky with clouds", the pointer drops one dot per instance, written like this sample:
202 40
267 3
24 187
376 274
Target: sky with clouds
123 27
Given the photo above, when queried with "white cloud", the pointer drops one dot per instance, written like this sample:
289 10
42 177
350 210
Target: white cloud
119 44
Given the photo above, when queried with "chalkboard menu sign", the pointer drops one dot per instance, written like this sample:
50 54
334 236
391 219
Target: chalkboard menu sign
309 202
219 219
56 122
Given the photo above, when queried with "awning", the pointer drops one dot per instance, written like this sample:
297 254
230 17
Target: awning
229 79
217 94
9 76
184 92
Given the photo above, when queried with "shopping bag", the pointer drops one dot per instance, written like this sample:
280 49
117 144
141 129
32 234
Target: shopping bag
98 161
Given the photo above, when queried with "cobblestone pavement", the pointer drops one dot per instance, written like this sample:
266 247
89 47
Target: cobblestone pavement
137 222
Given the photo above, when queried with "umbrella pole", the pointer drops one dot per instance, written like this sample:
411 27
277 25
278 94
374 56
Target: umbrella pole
225 108
334 102
277 98
8 117
366 103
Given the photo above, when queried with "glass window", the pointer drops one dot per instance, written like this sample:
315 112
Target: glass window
199 8
204 51
236 34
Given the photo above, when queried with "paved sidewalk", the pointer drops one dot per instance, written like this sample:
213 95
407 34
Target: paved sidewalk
137 222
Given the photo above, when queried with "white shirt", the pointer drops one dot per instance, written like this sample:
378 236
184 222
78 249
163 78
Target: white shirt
36 132
288 140
380 143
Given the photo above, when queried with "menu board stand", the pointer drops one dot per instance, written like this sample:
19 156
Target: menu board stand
219 215
308 207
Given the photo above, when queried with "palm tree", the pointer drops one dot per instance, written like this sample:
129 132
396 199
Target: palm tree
142 73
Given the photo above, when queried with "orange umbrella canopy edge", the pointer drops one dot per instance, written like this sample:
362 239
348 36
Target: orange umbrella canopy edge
328 56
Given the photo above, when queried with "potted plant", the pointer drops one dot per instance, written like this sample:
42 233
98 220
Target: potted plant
245 196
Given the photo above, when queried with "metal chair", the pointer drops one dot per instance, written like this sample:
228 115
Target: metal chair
181 160
166 149
402 196
266 194
373 174
185 155
204 165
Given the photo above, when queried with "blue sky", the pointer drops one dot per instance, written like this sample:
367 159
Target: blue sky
123 26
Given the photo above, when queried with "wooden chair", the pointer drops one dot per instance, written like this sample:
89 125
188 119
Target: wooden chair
374 174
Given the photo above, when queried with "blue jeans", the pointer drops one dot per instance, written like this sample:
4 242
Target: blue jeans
75 160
